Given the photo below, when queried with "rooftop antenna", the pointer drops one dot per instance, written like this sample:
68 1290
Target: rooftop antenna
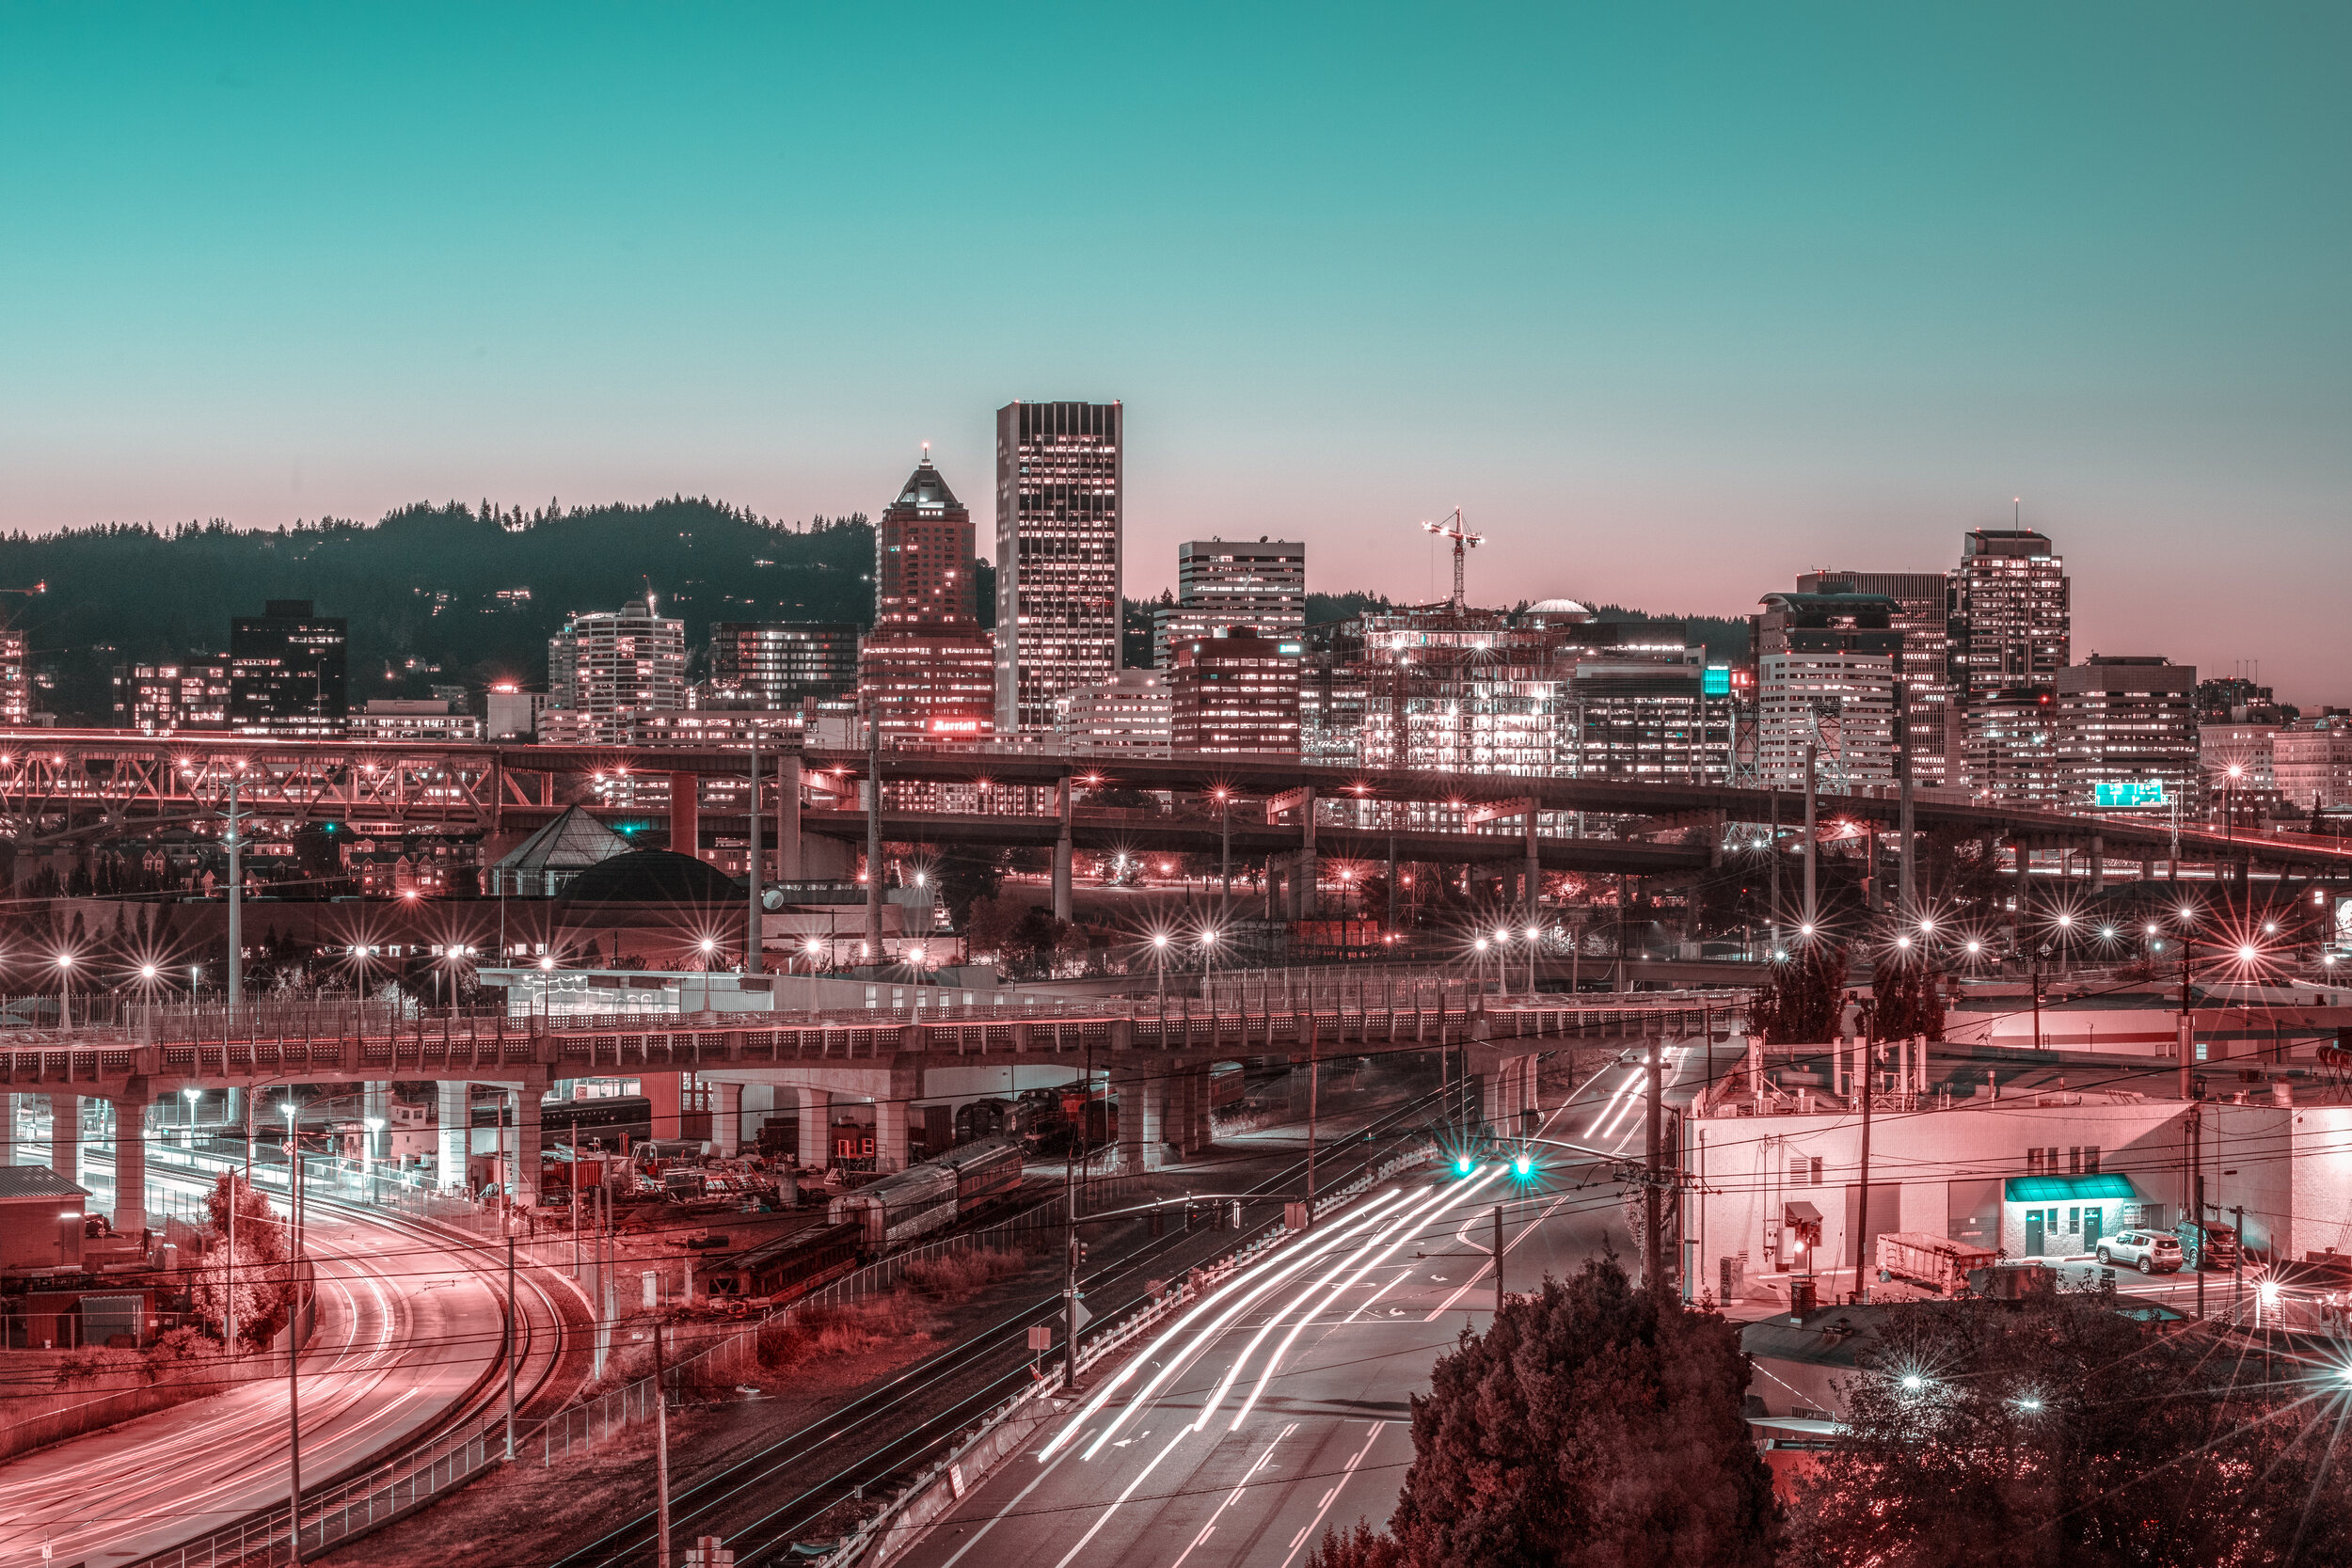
927 454
1450 528
2017 514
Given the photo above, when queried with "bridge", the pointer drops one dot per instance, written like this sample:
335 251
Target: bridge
66 786
1157 1052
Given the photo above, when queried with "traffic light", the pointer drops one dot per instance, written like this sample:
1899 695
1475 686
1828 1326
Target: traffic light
1524 1166
1463 1164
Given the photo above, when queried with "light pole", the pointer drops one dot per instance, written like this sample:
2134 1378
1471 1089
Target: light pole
1159 962
64 991
193 1096
367 1154
294 1341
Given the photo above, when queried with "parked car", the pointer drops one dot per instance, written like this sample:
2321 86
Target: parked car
2149 1251
2208 1246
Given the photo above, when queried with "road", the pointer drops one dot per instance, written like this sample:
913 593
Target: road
406 1326
1280 1405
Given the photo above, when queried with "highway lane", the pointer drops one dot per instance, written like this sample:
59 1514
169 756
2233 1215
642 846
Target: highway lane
406 1326
1280 1406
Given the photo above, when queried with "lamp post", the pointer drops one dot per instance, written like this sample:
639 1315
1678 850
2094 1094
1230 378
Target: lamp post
64 991
367 1155
193 1096
1159 962
294 1341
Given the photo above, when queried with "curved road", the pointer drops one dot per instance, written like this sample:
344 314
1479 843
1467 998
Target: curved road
406 1326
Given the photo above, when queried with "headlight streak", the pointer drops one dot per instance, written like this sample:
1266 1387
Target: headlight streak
1283 1267
1632 1080
1281 1349
1411 1216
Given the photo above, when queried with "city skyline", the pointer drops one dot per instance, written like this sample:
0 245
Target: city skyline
1666 341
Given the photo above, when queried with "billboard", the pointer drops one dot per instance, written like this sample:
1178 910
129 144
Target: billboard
2125 794
1716 681
2344 921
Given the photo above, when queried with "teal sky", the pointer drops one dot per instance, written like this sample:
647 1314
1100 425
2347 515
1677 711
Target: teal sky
1676 301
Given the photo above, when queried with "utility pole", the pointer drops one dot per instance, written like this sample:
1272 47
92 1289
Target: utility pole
513 1344
1224 853
1499 1259
2237 1293
873 840
228 1272
661 1453
236 895
1812 847
2196 1180
1653 1154
751 915
1907 894
1772 898
1862 1206
1314 1051
293 1363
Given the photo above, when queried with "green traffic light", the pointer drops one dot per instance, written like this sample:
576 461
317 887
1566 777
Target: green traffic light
1524 1165
1462 1165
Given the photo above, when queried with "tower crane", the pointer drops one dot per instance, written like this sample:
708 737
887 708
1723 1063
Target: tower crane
1450 528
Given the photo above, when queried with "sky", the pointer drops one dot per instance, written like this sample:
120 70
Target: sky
1675 302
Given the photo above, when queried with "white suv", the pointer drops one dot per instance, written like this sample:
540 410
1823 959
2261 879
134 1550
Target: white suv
2149 1251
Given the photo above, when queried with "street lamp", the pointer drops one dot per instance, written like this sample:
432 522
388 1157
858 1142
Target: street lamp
193 1096
1159 962
64 991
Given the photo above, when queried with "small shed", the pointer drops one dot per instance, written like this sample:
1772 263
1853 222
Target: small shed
40 1221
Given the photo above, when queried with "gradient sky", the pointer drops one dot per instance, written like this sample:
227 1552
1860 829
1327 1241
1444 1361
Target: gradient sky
1676 301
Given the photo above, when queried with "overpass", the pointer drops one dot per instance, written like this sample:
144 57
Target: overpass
70 785
1158 1052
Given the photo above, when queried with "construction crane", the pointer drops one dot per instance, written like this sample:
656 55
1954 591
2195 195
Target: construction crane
1463 539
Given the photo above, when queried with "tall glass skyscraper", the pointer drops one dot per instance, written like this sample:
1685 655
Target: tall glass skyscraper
1058 516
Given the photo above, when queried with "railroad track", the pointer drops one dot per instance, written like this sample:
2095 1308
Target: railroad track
768 1500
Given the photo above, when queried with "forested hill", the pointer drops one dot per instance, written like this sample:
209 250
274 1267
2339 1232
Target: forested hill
475 591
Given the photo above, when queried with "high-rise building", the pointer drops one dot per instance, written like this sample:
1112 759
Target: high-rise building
2009 748
1229 583
777 664
16 680
1840 703
2236 762
923 556
1058 521
2311 759
2127 735
1235 694
1922 614
1128 715
165 699
2010 616
606 665
288 670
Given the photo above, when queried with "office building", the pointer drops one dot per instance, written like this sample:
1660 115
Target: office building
605 666
1059 513
413 719
165 699
923 557
1922 616
931 685
2311 760
1128 715
2009 748
2010 618
1637 701
1229 583
510 713
776 664
16 680
2127 735
1840 703
2236 767
288 670
1237 693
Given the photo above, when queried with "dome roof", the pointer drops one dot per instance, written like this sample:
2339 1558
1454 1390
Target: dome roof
1557 606
652 877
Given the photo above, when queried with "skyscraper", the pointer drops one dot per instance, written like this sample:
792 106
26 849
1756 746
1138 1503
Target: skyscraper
608 665
923 556
1060 512
2010 613
1222 583
927 672
1923 665
288 670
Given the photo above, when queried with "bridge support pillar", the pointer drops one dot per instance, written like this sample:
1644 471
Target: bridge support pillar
129 1165
788 818
890 1134
65 1136
2098 864
1062 854
1142 1119
726 1126
1199 1133
454 1129
816 1123
665 1098
686 814
521 1176
1307 901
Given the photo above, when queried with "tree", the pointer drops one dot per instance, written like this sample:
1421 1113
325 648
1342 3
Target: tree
1593 1426
1799 1004
261 1263
990 926
2061 1430
1909 1002
966 876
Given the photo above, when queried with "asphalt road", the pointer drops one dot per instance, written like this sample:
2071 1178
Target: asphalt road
1279 1406
405 1327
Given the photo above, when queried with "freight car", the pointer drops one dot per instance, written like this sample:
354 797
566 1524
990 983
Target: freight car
932 1195
789 1266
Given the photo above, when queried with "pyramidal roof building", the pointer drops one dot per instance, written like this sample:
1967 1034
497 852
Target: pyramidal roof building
544 864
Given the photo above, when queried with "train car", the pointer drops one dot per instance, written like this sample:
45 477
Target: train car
1225 1086
931 1195
787 1267
1049 1120
986 1119
577 1122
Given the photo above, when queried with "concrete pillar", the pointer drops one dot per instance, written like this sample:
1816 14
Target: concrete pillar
1062 854
1532 898
522 1160
454 1129
815 1129
890 1134
129 1165
1307 904
1494 1103
65 1136
726 1126
1141 1114
376 1104
667 1097
2098 864
686 814
789 819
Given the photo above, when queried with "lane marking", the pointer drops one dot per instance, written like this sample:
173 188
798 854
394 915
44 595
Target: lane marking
1234 1496
1346 1476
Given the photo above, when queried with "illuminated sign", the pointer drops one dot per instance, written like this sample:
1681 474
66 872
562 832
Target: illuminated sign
2125 794
1716 681
2343 922
1290 648
955 726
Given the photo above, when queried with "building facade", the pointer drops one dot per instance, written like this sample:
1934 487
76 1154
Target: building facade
1129 715
923 557
2012 615
1060 516
165 699
1231 583
930 685
1921 617
2311 760
289 671
1237 693
1840 703
16 680
606 666
413 719
775 664
2127 735
2009 746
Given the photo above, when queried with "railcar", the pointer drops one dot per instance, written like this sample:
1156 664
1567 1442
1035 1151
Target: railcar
931 1195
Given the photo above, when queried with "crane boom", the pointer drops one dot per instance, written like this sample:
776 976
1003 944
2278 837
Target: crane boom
1450 528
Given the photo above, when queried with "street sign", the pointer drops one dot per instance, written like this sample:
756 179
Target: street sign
1041 1336
2125 794
1296 1217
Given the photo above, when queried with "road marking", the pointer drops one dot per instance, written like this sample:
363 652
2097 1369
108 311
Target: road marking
1210 1529
1470 1284
1071 1555
1345 1477
1018 1500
